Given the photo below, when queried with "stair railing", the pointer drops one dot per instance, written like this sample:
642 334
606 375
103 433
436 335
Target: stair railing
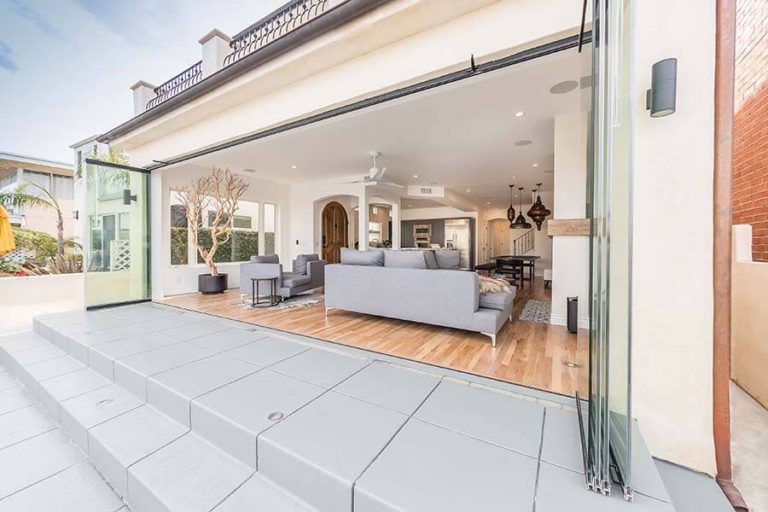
524 243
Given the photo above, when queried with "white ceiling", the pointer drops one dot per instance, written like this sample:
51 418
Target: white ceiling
460 136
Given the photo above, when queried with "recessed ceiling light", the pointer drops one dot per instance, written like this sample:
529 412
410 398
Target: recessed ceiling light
523 142
293 166
415 175
535 165
468 191
564 87
410 206
519 114
488 202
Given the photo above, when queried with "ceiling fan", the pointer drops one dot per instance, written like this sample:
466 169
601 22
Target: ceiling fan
375 174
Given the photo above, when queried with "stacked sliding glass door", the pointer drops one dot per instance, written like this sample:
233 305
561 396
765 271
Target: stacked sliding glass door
609 430
116 245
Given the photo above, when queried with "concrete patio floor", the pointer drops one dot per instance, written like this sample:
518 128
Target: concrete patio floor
183 411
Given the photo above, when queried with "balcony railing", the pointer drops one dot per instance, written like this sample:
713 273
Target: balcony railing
177 84
285 20
281 22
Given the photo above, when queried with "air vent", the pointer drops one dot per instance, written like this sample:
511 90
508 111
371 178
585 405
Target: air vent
426 191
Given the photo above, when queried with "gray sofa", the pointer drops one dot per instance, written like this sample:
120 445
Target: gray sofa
402 285
307 273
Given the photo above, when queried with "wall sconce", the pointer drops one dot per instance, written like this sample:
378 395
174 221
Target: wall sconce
661 98
127 197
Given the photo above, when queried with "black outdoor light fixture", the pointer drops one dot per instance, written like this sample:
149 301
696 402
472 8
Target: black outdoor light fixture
127 197
661 98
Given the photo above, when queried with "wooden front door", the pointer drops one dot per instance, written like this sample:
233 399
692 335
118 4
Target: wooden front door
335 229
498 231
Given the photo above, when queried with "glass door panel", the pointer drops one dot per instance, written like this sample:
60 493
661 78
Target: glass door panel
610 209
116 259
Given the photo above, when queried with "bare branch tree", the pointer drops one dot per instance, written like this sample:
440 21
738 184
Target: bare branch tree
219 192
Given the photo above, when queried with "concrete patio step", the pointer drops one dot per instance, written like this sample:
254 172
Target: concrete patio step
151 461
239 416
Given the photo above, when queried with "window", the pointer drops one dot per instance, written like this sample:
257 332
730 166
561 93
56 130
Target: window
374 232
41 179
270 225
242 222
179 232
7 177
125 226
242 243
244 240
62 187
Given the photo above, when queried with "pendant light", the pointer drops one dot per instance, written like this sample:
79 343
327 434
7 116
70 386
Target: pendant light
520 222
538 211
511 209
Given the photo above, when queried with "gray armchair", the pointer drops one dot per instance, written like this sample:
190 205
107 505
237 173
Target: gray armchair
307 273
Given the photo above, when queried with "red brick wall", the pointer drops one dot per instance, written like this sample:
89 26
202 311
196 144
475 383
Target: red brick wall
750 159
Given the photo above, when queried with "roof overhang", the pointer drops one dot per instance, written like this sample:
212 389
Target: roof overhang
335 17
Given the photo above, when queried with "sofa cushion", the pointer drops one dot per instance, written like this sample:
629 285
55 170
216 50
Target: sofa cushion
372 258
300 263
496 300
448 259
294 280
405 259
430 260
270 258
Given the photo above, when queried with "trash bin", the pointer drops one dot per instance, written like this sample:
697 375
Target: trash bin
573 314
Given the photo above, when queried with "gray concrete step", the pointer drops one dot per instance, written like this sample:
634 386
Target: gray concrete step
184 411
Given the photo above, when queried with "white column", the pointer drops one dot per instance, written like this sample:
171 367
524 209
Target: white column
362 219
160 222
395 235
142 93
215 48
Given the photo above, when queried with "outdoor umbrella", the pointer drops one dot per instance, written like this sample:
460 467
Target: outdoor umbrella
6 234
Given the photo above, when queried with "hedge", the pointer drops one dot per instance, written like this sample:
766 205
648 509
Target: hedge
240 246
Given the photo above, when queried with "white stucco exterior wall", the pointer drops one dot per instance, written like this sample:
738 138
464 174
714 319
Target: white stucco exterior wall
672 246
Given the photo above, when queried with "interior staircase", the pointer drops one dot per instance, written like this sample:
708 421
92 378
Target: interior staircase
524 243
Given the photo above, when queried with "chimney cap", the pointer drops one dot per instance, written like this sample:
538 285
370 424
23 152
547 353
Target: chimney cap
142 83
215 33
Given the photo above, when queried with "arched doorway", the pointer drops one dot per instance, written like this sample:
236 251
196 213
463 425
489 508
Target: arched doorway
335 231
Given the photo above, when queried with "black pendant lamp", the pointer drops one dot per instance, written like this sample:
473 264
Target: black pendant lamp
538 211
520 222
511 209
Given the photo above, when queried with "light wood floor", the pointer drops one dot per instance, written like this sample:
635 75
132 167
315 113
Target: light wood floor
530 354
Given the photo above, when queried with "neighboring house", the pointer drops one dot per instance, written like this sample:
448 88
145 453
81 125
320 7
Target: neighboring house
56 177
472 105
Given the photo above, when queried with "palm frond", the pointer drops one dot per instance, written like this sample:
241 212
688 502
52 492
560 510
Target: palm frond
20 199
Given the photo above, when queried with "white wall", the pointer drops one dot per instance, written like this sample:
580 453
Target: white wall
316 76
175 279
38 295
570 254
672 246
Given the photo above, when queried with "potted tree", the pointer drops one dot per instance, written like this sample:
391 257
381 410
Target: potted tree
217 193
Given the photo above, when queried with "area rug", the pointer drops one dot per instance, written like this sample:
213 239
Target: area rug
299 301
536 311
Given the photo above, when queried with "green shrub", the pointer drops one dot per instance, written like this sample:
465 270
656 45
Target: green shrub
42 243
240 246
179 238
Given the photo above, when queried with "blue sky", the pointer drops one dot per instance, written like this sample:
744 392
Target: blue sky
66 66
